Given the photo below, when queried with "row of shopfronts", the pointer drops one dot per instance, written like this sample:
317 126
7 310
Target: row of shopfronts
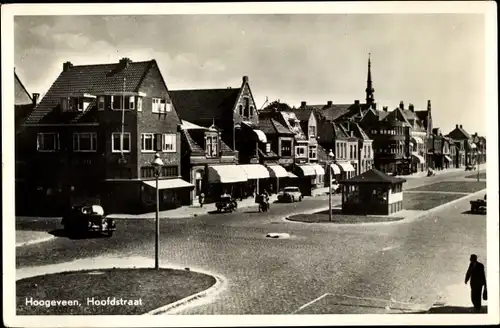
247 180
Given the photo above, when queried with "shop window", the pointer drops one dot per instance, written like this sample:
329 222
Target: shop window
286 148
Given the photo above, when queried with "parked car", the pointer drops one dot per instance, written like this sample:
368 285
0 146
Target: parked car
478 205
470 168
83 219
290 194
226 204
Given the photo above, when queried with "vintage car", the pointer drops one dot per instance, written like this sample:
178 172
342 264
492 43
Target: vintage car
478 205
83 219
226 204
290 194
470 168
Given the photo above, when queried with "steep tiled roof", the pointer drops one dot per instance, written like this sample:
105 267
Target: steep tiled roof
296 129
204 104
302 113
359 132
409 114
335 111
459 134
266 126
22 96
197 148
373 176
92 79
421 114
280 128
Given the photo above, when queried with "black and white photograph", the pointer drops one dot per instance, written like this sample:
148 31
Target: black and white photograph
229 164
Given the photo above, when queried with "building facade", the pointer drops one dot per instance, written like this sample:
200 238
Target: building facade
95 134
463 142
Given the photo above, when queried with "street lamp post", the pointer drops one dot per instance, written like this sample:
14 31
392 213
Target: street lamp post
330 157
476 143
157 164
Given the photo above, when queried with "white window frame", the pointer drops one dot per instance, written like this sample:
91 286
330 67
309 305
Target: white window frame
173 137
298 155
101 100
268 148
123 100
281 146
160 105
113 150
143 142
312 131
93 142
139 104
315 152
43 134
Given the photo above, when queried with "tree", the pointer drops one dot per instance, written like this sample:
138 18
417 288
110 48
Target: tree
277 106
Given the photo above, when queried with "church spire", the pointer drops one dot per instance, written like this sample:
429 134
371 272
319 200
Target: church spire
369 86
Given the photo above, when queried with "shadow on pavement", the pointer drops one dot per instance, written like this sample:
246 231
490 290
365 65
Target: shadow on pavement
456 309
473 213
63 234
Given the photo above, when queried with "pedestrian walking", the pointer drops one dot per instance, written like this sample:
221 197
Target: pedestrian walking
477 278
201 199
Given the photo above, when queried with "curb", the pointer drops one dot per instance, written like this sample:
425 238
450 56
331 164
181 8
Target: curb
405 220
185 302
35 241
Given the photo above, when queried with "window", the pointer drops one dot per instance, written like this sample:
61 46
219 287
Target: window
100 103
312 132
47 142
286 147
268 148
139 104
116 142
122 102
246 112
85 142
148 142
241 109
169 171
313 152
211 146
156 103
169 143
251 111
355 151
350 152
300 151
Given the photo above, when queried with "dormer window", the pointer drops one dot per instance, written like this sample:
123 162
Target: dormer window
122 102
268 148
71 104
211 146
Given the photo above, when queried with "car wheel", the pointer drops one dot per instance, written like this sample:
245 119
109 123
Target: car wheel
293 199
300 198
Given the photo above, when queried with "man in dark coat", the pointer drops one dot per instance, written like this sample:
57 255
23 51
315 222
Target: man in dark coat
477 280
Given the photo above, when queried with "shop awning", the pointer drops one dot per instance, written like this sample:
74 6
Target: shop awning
291 175
448 158
307 170
420 159
277 171
319 169
335 168
346 167
226 174
254 171
261 135
169 184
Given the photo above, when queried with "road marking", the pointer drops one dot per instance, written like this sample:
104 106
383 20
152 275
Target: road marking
390 247
311 302
374 299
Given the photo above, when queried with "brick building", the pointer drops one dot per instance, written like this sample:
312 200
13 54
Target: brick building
95 134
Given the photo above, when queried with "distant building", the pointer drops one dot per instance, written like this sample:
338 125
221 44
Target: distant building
463 141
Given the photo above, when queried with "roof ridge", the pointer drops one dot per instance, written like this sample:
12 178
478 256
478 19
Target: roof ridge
215 89
116 63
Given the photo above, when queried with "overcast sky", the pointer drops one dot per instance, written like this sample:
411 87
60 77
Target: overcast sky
312 57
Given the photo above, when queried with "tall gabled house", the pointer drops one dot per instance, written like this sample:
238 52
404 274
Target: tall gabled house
95 134
463 141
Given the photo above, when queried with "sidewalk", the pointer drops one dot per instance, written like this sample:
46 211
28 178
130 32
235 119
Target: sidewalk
437 172
193 211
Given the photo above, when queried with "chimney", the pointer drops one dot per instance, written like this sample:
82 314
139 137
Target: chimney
356 102
410 107
66 66
456 126
374 106
245 79
429 105
385 108
460 126
35 98
124 62
401 105
329 103
303 104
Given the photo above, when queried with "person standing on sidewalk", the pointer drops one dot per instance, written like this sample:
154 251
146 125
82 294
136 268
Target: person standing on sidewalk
477 278
201 199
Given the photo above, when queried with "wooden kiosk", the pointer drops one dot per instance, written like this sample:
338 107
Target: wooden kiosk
372 192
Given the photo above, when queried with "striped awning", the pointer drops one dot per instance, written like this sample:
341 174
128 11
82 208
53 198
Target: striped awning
346 167
277 171
226 174
319 169
335 168
254 171
307 170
